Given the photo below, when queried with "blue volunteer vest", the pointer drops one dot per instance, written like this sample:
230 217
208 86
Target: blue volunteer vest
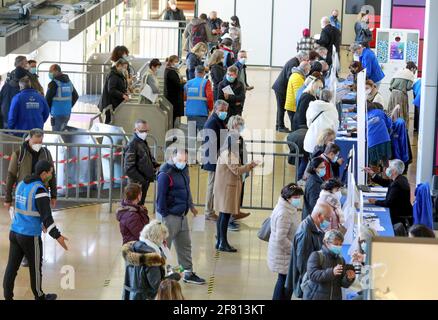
62 102
196 105
27 220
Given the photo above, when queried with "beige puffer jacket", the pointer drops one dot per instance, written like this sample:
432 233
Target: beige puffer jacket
284 223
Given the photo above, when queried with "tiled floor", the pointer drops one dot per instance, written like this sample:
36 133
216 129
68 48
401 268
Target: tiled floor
95 240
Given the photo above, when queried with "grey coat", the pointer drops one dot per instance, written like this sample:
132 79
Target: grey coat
324 285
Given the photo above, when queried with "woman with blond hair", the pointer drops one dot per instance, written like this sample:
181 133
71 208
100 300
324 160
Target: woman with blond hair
145 263
326 136
217 70
194 59
170 290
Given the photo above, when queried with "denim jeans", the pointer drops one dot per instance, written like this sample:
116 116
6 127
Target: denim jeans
59 123
279 290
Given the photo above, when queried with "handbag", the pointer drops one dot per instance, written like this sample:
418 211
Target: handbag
265 230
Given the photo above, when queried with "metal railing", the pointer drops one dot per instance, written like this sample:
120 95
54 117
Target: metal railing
151 38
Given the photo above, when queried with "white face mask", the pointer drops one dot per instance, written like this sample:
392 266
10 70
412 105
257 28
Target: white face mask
142 135
36 147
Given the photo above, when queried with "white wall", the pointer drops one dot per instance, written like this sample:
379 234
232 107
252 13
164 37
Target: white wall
287 29
224 8
256 24
321 8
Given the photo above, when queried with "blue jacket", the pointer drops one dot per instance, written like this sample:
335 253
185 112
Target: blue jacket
369 61
379 125
300 93
8 91
173 191
212 140
335 23
399 139
196 105
28 110
423 206
416 89
27 220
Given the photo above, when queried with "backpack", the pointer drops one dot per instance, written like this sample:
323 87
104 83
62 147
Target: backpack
198 33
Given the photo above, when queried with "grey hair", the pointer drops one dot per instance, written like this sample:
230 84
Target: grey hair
332 235
235 121
355 46
36 132
326 20
398 165
139 122
321 209
19 60
326 95
320 49
220 103
366 233
155 231
302 55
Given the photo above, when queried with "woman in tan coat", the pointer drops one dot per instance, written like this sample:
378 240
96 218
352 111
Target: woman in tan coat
228 183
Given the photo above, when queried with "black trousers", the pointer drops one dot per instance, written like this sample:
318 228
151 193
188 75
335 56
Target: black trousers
31 248
144 192
222 228
416 118
281 101
279 290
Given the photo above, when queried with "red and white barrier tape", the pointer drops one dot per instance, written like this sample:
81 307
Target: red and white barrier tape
86 184
74 159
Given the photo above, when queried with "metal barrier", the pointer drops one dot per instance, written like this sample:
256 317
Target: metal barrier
86 82
152 38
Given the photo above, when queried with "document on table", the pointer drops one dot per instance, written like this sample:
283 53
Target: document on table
374 224
228 90
198 223
374 209
374 194
378 189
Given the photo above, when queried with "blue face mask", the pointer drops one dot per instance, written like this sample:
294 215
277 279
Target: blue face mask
324 225
296 202
388 172
230 78
33 70
222 115
335 249
180 165
335 159
51 76
322 172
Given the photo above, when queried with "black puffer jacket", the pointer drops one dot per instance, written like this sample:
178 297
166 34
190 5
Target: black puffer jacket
145 269
217 74
114 89
324 285
139 164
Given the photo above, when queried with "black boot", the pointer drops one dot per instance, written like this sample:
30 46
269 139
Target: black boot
224 245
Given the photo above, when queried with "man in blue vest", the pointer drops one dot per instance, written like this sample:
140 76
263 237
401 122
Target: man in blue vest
61 97
32 216
174 200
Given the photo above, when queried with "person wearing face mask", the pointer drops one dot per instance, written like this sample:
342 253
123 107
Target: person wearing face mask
194 59
330 36
61 97
174 201
400 85
32 216
398 196
237 99
308 238
369 61
361 28
213 128
217 71
327 272
229 56
173 13
33 75
151 79
23 162
174 88
139 164
115 90
145 263
311 93
28 109
315 171
284 223
355 67
331 195
242 58
334 21
296 81
373 94
332 161
132 217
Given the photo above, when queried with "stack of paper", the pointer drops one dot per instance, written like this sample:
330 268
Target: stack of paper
228 90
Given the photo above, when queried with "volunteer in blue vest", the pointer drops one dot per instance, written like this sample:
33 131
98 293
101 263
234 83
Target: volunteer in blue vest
368 59
174 200
32 216
61 96
199 98
29 109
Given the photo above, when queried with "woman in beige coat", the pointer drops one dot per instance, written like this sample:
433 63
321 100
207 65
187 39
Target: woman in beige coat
284 223
228 183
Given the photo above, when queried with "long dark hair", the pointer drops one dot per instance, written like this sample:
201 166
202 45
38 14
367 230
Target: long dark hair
236 21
